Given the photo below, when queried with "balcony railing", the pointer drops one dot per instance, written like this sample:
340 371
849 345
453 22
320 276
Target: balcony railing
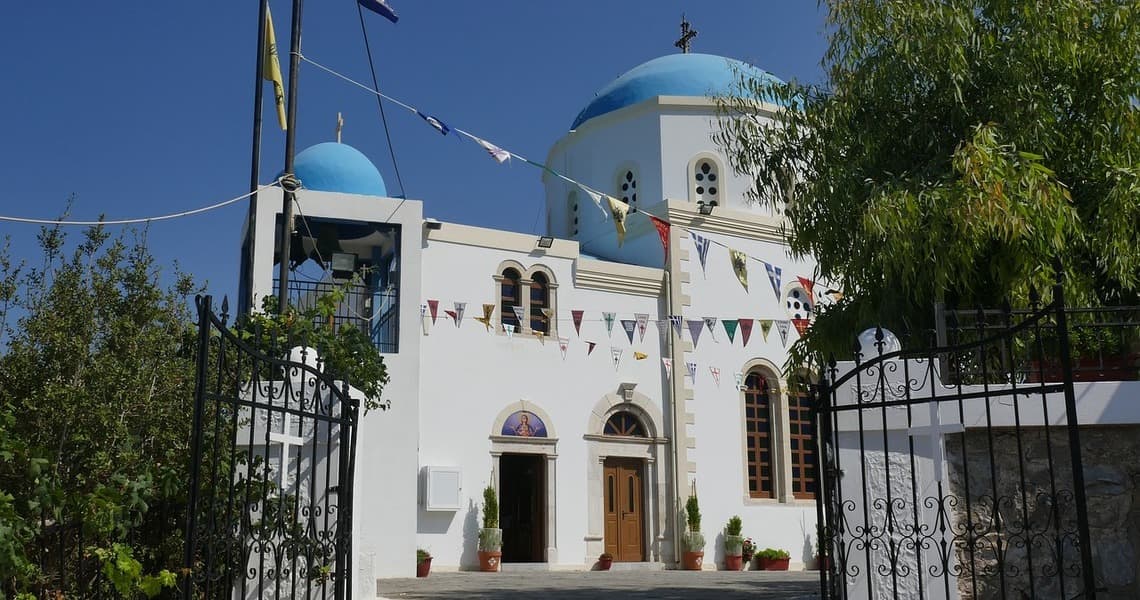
374 313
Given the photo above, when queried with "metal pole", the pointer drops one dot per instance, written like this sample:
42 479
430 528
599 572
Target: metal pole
289 184
245 303
1074 439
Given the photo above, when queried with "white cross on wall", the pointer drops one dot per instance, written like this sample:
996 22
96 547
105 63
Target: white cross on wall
934 434
287 441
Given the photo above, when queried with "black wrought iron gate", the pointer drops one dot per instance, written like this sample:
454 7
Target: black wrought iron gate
270 504
955 472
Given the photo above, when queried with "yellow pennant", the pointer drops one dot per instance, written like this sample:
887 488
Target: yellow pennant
618 210
488 310
272 69
640 355
739 266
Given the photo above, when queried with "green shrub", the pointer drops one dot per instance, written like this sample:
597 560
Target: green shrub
490 508
734 526
693 513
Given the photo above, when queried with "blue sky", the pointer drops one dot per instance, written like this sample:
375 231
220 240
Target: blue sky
143 108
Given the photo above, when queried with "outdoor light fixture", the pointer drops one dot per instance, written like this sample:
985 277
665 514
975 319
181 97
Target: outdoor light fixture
545 241
343 265
433 224
705 209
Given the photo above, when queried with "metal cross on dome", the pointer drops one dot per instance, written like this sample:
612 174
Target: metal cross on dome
934 434
687 36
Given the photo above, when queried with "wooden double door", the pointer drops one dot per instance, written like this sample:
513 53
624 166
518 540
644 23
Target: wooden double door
623 504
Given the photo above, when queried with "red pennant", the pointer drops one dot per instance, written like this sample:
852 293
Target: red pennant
577 314
745 329
802 325
434 306
662 231
808 285
454 315
590 348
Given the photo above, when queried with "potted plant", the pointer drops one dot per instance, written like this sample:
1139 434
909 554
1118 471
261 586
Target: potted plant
733 545
490 536
605 561
423 562
822 559
693 542
771 559
747 549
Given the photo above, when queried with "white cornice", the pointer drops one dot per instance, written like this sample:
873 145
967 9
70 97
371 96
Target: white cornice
618 277
500 240
729 221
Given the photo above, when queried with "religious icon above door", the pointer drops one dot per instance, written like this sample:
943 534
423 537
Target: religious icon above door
524 423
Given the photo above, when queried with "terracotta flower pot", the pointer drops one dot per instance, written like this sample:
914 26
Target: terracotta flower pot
733 563
604 564
423 567
823 563
692 561
777 564
489 560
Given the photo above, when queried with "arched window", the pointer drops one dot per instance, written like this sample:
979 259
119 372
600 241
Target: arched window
539 300
625 424
758 430
511 297
627 186
801 440
705 181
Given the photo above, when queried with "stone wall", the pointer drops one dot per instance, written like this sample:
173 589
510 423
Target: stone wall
1028 544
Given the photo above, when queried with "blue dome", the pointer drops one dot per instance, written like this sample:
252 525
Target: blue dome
335 167
670 75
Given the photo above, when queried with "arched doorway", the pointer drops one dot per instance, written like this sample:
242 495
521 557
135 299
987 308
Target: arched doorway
523 452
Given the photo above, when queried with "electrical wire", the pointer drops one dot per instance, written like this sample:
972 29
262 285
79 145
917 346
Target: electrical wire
185 213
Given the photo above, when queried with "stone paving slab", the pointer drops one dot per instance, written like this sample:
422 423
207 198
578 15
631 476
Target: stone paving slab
634 585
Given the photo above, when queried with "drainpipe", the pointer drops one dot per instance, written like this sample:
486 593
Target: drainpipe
676 438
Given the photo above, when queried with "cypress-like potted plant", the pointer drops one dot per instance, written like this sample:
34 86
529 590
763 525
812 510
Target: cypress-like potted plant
733 544
693 542
490 536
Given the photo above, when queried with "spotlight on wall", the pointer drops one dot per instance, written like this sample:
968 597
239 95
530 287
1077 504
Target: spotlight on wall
433 224
343 265
545 241
705 209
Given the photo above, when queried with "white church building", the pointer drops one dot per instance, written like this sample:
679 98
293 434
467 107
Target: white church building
594 384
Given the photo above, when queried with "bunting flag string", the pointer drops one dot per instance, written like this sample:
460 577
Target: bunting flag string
438 125
619 210
765 327
662 227
454 316
692 368
615 354
590 348
640 355
676 321
668 363
577 316
459 308
716 375
642 323
609 318
433 305
739 266
807 285
802 325
629 325
701 243
520 314
496 152
783 325
695 328
710 322
774 273
488 310
510 329
730 328
745 330
563 344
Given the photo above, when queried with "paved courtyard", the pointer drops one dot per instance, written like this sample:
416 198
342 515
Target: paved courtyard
658 585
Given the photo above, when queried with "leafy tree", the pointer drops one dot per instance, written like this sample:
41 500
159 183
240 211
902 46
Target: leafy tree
957 149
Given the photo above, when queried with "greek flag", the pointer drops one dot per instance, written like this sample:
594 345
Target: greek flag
381 8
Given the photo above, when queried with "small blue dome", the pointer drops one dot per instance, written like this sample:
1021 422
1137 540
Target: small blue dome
670 75
335 167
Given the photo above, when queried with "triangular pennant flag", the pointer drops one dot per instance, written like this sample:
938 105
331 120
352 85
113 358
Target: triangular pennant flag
496 152
454 316
615 354
783 325
710 322
640 355
773 277
716 375
488 310
676 321
433 305
597 198
629 325
609 318
695 327
439 126
520 314
745 330
739 266
692 368
510 329
563 343
765 327
739 380
271 67
459 308
730 329
549 314
802 325
577 315
702 245
808 285
662 232
381 8
590 348
541 337
668 362
618 210
642 323
423 311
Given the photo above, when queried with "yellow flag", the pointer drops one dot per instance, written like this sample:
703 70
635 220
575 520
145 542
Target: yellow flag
272 69
640 355
739 266
618 210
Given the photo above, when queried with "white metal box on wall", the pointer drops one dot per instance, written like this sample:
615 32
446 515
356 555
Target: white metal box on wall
442 488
